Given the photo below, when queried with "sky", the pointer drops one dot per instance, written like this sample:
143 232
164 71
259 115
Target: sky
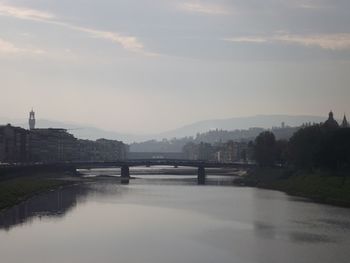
145 66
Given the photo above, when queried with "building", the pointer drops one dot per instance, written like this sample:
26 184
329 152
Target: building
190 151
52 145
231 152
156 155
227 152
13 144
57 145
201 151
101 150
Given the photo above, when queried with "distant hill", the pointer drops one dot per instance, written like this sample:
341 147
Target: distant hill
261 121
212 137
93 133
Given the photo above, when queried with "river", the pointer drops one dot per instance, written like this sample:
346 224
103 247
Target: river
171 219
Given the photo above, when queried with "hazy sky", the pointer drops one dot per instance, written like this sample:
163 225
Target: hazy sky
152 65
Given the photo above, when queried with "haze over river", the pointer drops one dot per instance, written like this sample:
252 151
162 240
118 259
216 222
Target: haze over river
171 219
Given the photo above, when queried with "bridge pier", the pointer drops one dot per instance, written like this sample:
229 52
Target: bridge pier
124 172
125 180
201 175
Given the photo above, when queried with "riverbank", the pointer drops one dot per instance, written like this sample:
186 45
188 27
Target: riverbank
22 186
320 186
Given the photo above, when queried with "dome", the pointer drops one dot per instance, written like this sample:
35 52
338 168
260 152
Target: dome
331 123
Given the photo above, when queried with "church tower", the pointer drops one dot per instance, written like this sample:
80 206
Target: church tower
32 120
345 123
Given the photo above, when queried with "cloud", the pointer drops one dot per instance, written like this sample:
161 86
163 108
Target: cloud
331 41
309 4
247 39
129 43
10 48
334 42
24 13
305 4
203 8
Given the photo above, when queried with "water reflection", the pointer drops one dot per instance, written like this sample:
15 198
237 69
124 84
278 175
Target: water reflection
51 204
170 219
341 224
57 203
124 180
187 179
269 231
303 237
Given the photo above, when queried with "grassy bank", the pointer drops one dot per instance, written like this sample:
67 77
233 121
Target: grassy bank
321 186
23 186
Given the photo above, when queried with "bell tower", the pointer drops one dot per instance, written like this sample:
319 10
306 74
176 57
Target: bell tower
32 120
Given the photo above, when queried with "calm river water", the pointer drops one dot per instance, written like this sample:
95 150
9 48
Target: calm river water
170 219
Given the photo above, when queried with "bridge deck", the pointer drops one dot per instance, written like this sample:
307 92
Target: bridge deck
161 162
133 163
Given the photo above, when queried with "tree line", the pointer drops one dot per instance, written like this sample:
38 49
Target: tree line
313 147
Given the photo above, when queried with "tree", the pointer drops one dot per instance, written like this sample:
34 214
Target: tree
264 149
281 152
336 151
305 147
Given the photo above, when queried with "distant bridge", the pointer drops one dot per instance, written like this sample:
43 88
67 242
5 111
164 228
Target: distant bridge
159 162
126 164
